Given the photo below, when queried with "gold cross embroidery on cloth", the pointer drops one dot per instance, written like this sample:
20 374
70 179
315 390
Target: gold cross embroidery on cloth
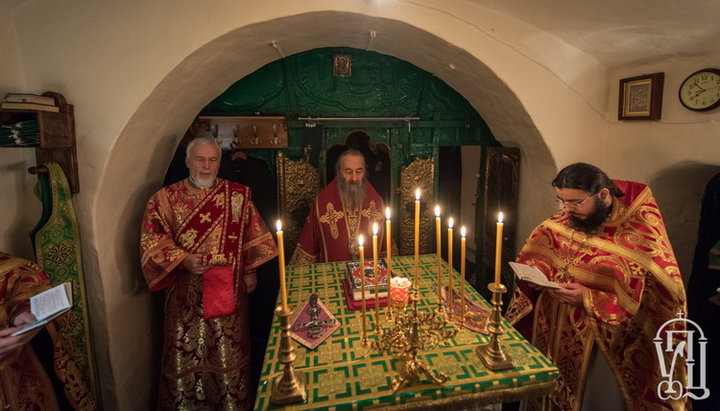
331 218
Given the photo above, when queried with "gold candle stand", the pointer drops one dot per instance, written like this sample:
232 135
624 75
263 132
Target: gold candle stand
290 386
410 332
492 354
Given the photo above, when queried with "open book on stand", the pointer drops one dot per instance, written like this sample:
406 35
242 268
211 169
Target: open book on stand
532 274
48 305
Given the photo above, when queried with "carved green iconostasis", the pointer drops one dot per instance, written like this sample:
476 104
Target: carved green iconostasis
303 85
380 86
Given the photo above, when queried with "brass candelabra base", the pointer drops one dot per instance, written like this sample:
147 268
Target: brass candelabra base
410 332
290 386
492 354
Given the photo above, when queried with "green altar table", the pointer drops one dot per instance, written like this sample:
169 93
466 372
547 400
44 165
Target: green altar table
341 374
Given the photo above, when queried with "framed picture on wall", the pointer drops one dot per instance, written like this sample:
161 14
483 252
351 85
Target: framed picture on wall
641 97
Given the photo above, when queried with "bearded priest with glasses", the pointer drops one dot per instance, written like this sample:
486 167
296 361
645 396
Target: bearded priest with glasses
608 249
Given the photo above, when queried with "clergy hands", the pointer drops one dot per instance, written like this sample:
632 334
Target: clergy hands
250 282
193 264
8 344
570 293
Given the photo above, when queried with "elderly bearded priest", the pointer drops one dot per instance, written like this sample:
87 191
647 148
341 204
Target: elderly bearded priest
346 208
202 239
609 250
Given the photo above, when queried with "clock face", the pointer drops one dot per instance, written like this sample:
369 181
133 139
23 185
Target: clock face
701 90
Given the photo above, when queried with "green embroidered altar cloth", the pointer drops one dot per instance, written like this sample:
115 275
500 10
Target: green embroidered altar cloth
341 374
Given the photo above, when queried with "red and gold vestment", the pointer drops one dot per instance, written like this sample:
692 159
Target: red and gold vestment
205 361
633 286
332 229
24 383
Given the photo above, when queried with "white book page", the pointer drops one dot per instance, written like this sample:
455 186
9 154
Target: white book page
51 301
532 274
47 305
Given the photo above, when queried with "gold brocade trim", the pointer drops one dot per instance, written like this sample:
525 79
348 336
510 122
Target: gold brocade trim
236 202
322 233
519 307
647 263
300 257
478 398
632 209
464 401
11 264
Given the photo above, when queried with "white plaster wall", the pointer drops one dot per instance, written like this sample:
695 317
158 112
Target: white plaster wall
138 72
676 155
20 208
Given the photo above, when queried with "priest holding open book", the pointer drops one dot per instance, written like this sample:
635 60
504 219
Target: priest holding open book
25 384
608 249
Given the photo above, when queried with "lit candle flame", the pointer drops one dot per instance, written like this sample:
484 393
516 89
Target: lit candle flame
361 240
375 228
500 217
387 212
278 224
417 194
462 232
450 222
437 211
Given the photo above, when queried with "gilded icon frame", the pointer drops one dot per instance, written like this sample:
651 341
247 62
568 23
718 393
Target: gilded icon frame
640 97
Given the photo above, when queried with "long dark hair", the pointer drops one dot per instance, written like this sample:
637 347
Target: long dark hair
586 177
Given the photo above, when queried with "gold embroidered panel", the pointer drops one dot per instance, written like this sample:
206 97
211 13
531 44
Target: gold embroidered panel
342 375
298 184
418 174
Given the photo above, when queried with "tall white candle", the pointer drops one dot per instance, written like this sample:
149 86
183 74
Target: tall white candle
281 266
498 248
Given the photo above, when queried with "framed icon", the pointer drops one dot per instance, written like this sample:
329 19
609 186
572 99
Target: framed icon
641 97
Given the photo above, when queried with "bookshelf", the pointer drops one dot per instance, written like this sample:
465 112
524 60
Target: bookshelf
56 132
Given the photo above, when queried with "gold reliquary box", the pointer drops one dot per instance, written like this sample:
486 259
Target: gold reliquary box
243 132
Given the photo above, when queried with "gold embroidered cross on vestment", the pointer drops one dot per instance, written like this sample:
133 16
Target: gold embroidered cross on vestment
573 256
331 218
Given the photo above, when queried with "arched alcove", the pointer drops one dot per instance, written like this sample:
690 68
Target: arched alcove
141 153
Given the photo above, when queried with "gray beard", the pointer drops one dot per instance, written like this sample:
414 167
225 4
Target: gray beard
352 196
202 183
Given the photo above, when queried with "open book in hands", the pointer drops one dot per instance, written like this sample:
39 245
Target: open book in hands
532 274
48 305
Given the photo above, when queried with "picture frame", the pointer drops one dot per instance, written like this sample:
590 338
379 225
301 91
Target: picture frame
640 97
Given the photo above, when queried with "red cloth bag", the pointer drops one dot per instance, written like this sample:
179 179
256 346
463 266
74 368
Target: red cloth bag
218 291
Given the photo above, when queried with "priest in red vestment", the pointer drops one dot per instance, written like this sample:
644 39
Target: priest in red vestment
24 383
609 250
343 210
201 240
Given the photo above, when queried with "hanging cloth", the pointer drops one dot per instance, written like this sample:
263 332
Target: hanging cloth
58 253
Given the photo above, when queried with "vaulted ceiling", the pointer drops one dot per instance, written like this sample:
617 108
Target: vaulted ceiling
616 32
620 32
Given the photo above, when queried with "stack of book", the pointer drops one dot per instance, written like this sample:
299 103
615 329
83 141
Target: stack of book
24 101
352 284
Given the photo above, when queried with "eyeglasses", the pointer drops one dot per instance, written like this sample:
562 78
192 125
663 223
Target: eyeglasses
574 203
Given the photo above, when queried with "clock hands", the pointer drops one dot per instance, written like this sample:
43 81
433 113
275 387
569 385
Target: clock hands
702 90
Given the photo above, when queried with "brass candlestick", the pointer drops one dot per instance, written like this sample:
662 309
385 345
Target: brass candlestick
290 386
492 354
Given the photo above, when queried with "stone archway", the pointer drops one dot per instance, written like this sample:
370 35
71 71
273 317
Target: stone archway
138 160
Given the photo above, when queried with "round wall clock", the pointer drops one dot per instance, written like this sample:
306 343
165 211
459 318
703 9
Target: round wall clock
701 90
